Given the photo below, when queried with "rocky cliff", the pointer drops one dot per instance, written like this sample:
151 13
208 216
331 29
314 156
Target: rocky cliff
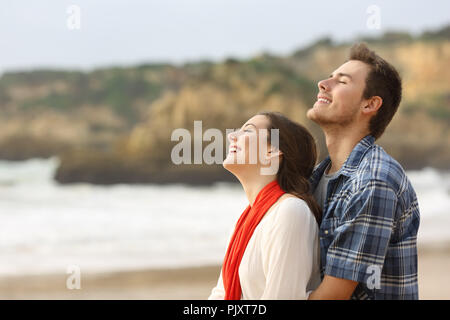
114 125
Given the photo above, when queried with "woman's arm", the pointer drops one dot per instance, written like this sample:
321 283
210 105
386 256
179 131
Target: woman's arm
218 292
289 251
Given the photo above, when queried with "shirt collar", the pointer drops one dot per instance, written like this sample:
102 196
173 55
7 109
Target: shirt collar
350 165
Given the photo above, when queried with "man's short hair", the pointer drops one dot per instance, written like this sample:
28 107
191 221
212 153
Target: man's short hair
383 81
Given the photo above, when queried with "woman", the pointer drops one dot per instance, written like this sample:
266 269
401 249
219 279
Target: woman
274 250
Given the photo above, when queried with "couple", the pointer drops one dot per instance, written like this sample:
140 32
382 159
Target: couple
344 229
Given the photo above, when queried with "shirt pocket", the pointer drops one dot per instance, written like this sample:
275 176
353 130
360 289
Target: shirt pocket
327 228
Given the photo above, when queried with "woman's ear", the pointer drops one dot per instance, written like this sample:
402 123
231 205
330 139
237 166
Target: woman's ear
274 153
273 160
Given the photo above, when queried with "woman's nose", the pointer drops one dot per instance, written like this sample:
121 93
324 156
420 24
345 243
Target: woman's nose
232 136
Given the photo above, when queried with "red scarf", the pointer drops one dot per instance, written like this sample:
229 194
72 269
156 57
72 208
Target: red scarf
243 231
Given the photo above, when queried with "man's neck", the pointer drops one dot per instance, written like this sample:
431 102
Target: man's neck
340 144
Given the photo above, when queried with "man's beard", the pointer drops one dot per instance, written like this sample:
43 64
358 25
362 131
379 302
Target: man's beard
325 121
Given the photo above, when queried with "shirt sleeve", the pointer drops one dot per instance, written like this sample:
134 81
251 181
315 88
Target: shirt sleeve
359 243
218 292
288 251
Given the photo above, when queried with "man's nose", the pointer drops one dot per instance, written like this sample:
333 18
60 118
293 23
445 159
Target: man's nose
324 85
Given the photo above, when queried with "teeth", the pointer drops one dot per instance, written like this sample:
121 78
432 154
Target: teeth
324 100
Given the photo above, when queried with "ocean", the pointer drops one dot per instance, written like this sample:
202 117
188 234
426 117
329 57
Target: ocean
46 227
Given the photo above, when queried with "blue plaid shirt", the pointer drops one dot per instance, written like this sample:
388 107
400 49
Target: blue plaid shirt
370 221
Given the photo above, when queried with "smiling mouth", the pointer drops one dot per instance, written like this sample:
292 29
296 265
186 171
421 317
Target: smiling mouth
233 149
324 100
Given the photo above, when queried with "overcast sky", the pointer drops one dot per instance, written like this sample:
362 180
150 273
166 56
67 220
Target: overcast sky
35 34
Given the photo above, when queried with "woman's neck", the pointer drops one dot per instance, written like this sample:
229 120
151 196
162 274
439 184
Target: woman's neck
252 186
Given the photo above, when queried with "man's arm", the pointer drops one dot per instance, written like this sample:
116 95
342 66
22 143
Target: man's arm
360 242
333 288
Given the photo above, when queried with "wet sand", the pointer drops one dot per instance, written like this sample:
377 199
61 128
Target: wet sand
185 283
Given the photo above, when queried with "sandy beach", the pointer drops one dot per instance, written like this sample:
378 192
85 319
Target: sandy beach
185 283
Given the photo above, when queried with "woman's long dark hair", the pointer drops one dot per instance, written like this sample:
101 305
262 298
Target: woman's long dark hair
298 160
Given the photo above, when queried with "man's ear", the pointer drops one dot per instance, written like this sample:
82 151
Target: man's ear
373 104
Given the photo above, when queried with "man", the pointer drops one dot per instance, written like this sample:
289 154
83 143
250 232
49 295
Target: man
370 214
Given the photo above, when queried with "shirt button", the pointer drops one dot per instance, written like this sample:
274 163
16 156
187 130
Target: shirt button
326 231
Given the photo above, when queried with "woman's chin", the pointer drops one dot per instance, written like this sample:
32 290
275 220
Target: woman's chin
232 164
229 163
239 169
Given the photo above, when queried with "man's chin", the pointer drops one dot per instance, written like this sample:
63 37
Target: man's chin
311 114
314 115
